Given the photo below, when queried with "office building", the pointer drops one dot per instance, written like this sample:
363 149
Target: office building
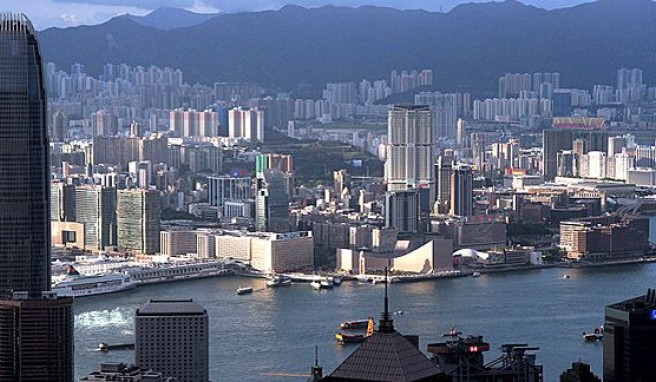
36 327
59 127
246 123
137 220
402 210
443 169
226 188
24 170
272 201
62 202
629 338
171 336
554 141
409 163
95 207
178 242
462 191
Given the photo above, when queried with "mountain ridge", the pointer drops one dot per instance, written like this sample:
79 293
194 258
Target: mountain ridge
296 47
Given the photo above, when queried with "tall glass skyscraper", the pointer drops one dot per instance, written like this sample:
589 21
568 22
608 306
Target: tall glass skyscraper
36 326
24 170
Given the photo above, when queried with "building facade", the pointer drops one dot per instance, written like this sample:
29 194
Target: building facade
172 337
137 220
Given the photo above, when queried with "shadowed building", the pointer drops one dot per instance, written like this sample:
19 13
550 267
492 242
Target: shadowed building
629 338
36 327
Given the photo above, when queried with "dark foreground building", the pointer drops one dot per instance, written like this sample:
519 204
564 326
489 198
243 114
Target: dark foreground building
630 340
36 327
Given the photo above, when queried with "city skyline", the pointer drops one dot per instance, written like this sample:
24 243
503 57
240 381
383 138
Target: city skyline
68 13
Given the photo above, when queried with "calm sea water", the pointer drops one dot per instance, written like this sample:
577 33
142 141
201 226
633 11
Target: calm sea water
275 330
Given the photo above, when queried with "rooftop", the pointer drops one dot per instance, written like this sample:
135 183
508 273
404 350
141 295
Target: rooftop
170 307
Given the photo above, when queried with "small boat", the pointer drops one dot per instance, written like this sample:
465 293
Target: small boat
566 277
349 338
286 281
343 338
244 290
316 284
358 324
274 281
597 335
105 347
476 274
337 280
326 284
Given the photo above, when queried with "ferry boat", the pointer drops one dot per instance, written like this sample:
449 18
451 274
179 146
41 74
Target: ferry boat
80 286
344 338
177 271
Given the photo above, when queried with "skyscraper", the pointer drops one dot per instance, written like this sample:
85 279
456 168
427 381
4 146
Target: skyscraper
629 337
554 141
24 171
462 198
137 220
95 207
36 327
59 126
443 168
409 163
272 201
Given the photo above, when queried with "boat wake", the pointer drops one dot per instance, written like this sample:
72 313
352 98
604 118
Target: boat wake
104 318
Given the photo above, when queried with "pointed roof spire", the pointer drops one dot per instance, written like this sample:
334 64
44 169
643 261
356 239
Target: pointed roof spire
386 323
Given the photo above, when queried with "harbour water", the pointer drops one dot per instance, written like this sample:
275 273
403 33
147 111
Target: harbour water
253 337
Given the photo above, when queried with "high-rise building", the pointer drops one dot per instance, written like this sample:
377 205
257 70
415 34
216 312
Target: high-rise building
62 202
95 207
137 220
402 210
554 141
24 171
409 163
445 112
225 188
272 201
59 126
629 337
462 191
171 336
246 123
461 133
341 180
36 327
443 168
580 372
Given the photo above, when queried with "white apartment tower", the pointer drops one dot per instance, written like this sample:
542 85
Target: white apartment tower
246 123
409 163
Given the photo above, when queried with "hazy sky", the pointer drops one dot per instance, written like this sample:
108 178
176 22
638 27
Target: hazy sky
61 13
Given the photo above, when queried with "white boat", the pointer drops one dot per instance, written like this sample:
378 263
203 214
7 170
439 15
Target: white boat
244 290
80 286
476 274
337 280
326 284
316 284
